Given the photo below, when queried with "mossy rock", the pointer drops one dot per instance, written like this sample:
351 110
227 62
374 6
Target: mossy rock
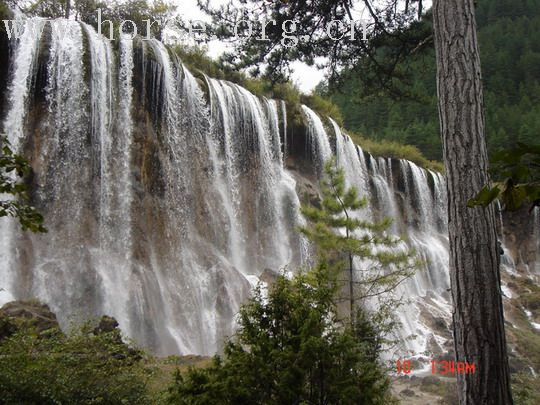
26 314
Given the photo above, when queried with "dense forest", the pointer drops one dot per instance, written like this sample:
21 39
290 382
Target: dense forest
509 39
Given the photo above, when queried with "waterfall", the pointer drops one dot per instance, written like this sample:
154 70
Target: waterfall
113 127
65 163
164 204
351 159
24 67
124 142
318 138
249 135
26 49
168 194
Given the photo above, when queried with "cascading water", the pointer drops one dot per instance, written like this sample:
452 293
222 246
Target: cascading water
26 49
320 146
250 137
391 188
166 196
166 225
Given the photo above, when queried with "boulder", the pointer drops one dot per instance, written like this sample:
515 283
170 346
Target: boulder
34 314
408 393
106 324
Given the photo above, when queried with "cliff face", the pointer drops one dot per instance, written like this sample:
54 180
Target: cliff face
167 196
520 234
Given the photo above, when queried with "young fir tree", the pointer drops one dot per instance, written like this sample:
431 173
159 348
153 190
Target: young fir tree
374 261
291 349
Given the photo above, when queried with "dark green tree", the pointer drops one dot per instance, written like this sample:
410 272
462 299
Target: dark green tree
291 349
13 169
508 34
374 261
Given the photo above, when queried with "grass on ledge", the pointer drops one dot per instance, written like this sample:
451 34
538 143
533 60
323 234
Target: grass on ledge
396 150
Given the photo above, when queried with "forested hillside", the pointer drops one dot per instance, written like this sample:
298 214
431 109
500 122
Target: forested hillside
509 35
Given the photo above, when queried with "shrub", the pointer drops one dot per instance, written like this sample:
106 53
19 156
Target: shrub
84 367
526 389
290 349
323 107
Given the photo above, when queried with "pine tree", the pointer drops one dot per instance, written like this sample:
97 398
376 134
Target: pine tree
375 261
475 277
291 349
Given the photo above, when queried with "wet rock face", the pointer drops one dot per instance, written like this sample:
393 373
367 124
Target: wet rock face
307 188
300 158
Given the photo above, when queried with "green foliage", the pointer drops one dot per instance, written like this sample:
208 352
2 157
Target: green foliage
396 150
485 197
324 107
136 11
341 238
521 168
196 59
80 368
509 38
525 389
4 14
13 169
290 349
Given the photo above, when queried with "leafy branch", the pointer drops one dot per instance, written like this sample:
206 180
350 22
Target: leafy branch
520 167
15 200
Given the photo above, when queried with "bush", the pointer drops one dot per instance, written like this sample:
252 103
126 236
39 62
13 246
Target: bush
323 107
290 349
526 389
84 367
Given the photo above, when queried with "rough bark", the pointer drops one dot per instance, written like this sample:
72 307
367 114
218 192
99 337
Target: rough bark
474 256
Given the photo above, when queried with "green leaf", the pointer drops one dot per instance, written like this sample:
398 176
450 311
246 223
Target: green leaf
513 197
485 197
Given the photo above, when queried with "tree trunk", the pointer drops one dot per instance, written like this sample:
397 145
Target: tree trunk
68 8
474 257
351 287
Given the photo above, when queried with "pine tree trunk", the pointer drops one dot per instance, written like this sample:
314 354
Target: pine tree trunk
474 256
351 288
68 8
